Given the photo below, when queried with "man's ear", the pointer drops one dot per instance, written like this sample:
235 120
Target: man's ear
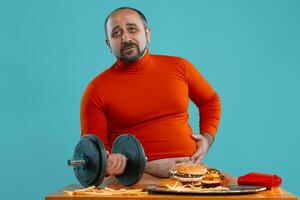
108 44
148 34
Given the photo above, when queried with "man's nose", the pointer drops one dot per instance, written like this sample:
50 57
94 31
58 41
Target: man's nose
125 37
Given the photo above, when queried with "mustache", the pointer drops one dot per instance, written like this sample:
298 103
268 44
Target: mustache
126 45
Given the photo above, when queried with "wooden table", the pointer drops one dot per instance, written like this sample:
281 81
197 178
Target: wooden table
274 194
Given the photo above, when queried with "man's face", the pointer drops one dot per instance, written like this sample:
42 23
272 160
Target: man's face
126 35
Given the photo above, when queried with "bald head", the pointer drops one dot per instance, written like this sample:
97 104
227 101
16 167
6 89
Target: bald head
139 13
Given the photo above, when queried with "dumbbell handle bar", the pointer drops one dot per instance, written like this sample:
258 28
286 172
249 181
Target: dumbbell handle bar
81 162
76 162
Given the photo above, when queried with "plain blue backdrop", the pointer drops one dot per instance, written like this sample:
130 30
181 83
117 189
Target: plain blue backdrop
50 49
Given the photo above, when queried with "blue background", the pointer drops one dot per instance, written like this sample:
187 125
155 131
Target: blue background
49 50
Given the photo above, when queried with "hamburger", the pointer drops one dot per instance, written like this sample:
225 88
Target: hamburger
213 178
188 172
169 182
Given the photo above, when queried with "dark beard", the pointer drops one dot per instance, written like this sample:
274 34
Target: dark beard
133 58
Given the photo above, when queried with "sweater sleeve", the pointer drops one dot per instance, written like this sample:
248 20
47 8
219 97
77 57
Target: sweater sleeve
92 115
205 98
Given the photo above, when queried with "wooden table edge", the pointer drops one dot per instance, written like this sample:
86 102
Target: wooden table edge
274 194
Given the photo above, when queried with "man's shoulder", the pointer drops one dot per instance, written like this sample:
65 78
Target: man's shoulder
166 57
172 62
102 76
104 73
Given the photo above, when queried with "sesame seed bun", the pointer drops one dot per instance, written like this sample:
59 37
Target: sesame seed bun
190 168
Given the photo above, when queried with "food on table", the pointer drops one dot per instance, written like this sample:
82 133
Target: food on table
212 178
191 177
94 191
169 182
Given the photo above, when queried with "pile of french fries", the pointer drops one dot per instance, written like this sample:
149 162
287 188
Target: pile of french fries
93 191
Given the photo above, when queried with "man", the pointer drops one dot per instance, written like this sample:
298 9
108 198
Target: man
147 95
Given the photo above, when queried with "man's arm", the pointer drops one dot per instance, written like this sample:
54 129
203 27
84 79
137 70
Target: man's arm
93 121
205 98
209 138
209 106
92 116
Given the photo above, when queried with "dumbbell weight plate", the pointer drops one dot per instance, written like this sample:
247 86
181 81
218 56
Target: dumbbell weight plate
129 146
102 158
88 151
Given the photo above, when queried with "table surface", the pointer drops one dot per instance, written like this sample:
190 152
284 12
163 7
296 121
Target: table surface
274 194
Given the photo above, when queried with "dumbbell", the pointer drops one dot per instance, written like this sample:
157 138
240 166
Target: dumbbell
90 160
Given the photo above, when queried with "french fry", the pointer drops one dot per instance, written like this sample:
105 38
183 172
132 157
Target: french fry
190 188
67 192
92 191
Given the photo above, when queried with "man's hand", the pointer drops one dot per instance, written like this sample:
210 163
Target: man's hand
116 164
204 141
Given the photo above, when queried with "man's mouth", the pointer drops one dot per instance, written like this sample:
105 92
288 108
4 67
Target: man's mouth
128 47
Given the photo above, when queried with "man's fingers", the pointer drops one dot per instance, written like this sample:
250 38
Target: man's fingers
196 137
202 147
199 152
196 154
121 164
117 164
201 156
114 164
199 159
124 162
109 165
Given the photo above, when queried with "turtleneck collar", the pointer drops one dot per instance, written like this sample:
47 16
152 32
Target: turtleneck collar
134 66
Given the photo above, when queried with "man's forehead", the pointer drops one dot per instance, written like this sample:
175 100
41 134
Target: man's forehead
122 17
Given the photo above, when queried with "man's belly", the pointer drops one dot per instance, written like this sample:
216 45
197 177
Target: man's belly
169 137
161 167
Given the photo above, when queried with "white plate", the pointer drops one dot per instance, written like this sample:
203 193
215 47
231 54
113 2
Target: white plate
233 189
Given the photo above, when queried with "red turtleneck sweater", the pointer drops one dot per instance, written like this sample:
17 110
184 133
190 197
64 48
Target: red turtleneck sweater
149 99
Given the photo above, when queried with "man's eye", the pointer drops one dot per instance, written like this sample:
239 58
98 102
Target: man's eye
132 30
117 33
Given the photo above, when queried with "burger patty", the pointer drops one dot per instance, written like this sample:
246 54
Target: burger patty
187 175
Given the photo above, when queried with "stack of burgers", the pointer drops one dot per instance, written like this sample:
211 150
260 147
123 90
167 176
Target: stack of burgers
193 175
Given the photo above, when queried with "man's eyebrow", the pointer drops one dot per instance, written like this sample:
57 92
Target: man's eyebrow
128 24
131 24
